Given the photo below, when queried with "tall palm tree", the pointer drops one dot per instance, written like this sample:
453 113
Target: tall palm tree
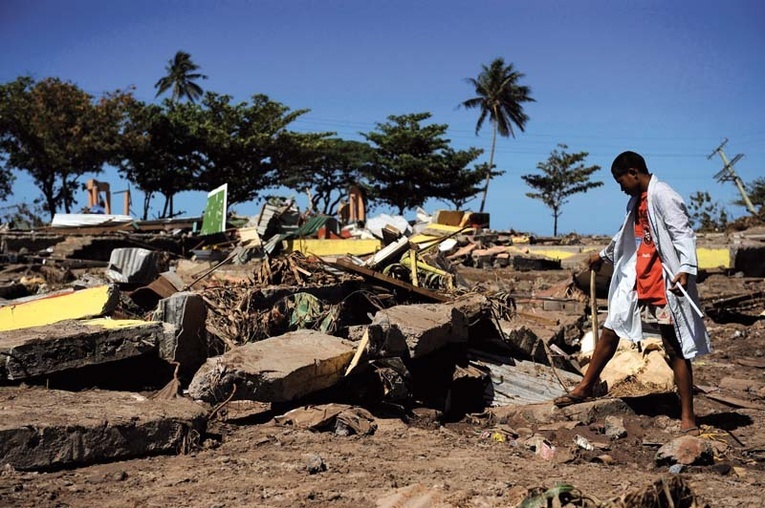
500 97
180 76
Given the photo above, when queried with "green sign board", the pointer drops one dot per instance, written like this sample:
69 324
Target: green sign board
214 219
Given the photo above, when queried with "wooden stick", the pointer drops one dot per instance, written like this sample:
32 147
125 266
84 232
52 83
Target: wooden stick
593 307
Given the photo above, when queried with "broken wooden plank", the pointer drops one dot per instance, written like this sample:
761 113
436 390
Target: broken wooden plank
758 363
735 401
371 274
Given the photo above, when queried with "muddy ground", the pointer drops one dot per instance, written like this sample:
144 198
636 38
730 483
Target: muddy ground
255 462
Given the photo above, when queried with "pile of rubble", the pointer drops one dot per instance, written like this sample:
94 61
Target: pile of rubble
125 344
172 342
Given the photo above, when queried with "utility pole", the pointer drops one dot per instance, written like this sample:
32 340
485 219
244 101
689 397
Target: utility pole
727 174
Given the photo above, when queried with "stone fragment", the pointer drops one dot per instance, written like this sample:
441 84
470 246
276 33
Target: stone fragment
615 427
278 369
685 450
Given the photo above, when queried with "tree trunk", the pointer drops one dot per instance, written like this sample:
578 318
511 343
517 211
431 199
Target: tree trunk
555 221
491 166
146 205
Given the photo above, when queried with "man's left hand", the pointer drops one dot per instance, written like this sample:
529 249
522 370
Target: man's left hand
681 279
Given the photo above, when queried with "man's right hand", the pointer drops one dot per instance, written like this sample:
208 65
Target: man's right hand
595 261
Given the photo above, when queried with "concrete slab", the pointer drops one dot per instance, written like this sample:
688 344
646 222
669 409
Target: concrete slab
415 331
51 429
187 312
278 369
86 303
44 350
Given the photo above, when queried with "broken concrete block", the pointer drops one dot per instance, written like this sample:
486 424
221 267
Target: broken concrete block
588 412
133 266
465 394
415 331
523 340
44 350
187 311
86 303
50 429
278 369
475 307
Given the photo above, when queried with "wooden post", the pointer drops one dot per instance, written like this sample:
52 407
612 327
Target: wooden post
593 307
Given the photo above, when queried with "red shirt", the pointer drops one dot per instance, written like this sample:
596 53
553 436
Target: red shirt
649 282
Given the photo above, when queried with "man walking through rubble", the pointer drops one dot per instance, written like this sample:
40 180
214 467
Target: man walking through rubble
649 268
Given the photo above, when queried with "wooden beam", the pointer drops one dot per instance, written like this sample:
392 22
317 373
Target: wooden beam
371 274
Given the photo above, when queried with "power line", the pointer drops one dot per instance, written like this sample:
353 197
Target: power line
727 174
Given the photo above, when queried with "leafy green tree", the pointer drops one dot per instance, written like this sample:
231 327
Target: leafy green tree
706 215
22 216
181 78
57 133
331 168
249 146
500 98
6 178
160 153
563 175
411 162
457 183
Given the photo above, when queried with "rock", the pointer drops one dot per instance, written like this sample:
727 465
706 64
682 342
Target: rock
278 369
314 464
614 427
685 450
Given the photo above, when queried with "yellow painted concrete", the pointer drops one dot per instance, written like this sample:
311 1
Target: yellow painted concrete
710 258
421 238
85 303
316 247
554 253
115 324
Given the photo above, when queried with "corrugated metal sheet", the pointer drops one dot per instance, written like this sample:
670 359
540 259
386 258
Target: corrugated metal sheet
134 266
522 383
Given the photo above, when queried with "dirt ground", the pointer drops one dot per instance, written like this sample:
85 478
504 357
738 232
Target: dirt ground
256 462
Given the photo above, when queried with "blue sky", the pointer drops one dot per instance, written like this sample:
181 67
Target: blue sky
668 79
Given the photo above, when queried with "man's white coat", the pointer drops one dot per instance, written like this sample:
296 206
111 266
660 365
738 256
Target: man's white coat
676 245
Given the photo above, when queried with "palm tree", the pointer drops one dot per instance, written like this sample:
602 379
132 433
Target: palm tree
500 98
181 76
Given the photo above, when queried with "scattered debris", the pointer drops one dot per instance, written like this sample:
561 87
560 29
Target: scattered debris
303 322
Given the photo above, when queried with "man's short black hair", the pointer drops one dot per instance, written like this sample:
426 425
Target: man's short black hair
626 161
